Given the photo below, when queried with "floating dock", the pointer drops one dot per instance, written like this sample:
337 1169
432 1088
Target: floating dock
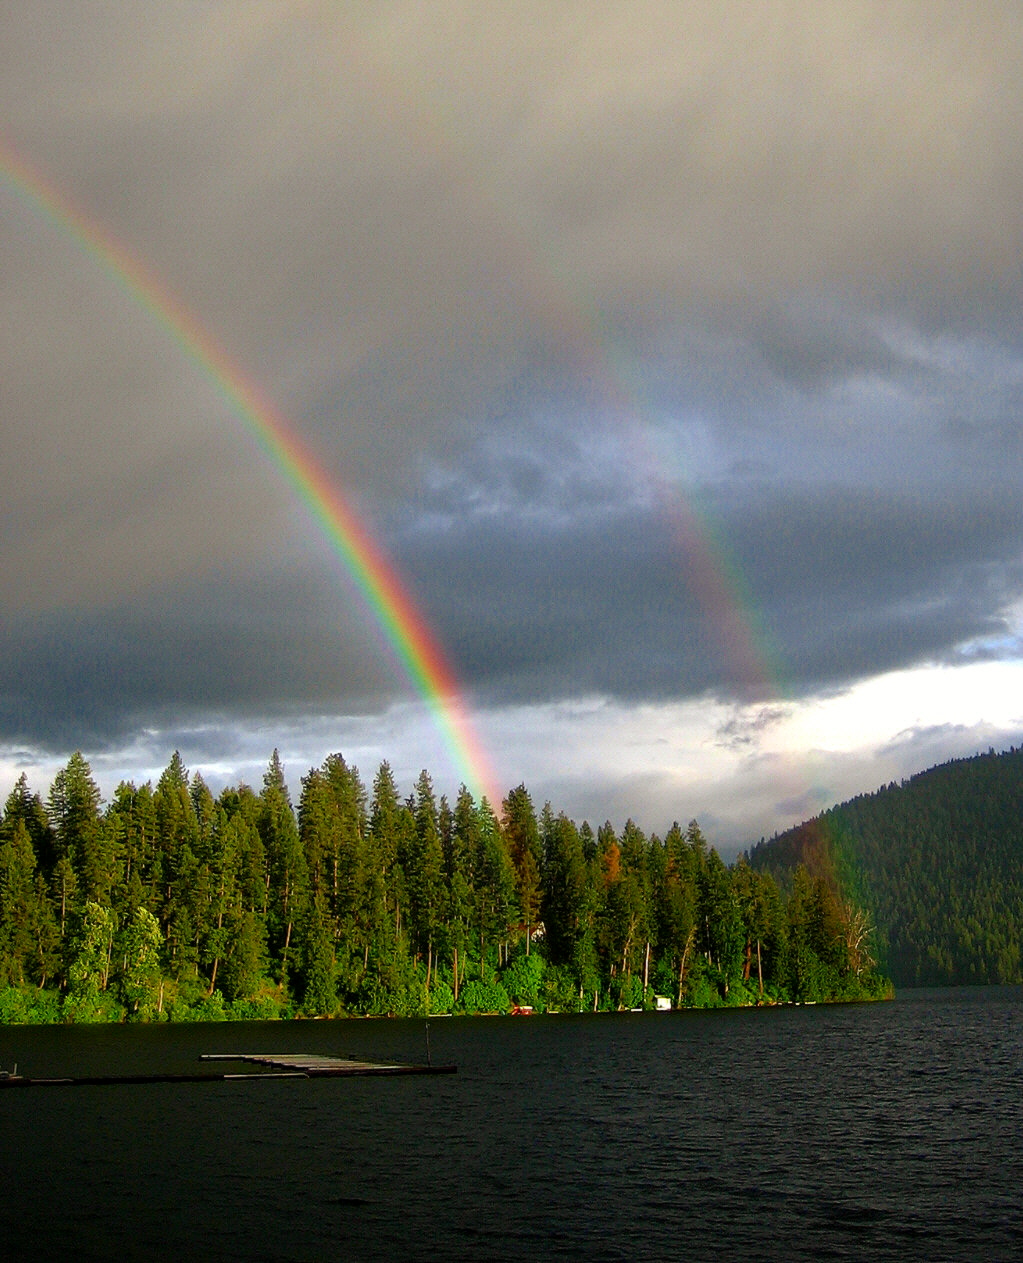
316 1066
273 1066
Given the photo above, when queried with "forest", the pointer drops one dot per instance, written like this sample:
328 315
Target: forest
938 862
168 903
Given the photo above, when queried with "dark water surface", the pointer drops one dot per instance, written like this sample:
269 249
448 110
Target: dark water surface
885 1131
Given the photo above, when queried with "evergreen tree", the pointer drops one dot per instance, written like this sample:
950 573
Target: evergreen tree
460 854
357 907
344 895
721 935
523 834
24 806
629 905
141 985
763 919
87 844
176 828
90 961
564 887
390 825
424 871
132 814
676 910
28 932
287 872
493 885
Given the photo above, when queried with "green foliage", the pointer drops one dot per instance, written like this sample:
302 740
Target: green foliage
209 1009
29 1006
89 968
525 851
441 998
91 953
288 869
395 988
245 958
702 992
628 992
564 885
523 979
319 970
483 997
29 937
140 976
560 990
258 1009
96 1008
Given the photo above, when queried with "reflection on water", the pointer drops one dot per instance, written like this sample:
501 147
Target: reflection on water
886 1131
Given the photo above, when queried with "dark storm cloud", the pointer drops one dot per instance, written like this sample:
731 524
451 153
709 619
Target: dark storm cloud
240 646
855 584
843 584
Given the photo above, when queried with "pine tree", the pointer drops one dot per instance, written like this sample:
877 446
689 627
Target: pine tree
676 910
493 885
523 834
425 875
463 846
287 870
25 949
564 886
27 807
88 844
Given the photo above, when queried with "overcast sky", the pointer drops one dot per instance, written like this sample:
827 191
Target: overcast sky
674 352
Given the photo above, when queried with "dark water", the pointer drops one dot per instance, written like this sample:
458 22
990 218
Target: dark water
887 1131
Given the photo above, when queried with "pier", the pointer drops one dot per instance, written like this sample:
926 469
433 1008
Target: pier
270 1066
317 1066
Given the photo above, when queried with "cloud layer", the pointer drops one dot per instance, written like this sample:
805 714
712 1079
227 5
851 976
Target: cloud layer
674 353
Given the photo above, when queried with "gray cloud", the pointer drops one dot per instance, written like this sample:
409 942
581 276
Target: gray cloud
840 584
255 644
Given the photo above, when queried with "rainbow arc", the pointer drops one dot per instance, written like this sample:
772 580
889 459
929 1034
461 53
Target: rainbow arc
386 597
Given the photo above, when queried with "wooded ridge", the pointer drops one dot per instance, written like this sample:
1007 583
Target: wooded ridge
937 860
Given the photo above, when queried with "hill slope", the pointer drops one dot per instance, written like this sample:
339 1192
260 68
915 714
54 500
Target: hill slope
938 860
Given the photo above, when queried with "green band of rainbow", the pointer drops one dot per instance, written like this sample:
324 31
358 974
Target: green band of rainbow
386 597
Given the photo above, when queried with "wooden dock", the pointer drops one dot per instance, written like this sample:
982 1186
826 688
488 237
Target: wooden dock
316 1066
273 1066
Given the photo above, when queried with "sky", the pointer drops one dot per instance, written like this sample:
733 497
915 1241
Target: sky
672 353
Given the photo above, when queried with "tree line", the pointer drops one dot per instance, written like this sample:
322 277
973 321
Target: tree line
170 902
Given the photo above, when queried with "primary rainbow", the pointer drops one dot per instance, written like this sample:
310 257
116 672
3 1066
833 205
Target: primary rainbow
378 582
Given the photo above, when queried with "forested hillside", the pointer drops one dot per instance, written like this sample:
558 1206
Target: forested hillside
938 860
169 902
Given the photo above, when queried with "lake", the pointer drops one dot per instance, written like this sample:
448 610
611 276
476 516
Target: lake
882 1131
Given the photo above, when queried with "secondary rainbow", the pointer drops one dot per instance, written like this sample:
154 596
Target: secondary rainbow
580 332
386 597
